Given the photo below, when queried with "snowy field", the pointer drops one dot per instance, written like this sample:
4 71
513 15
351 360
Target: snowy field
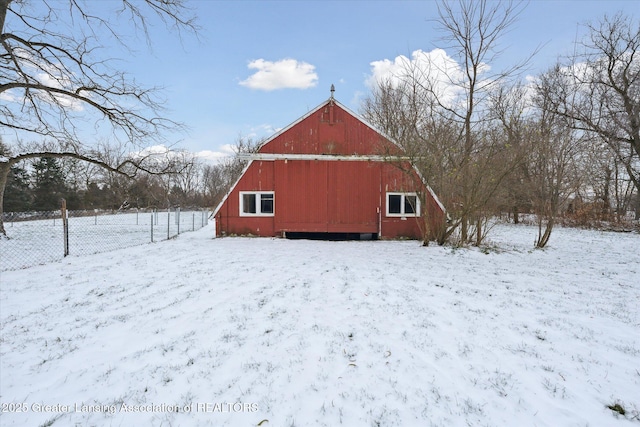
42 241
265 332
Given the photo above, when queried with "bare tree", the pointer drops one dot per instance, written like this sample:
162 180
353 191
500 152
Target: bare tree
555 170
603 91
441 113
215 183
473 32
53 81
218 179
510 106
188 180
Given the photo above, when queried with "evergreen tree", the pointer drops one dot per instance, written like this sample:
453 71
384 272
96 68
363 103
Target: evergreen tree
48 184
17 193
94 197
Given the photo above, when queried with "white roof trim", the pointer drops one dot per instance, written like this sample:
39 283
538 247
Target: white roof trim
323 157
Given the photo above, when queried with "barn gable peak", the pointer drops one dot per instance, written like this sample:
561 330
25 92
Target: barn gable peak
329 113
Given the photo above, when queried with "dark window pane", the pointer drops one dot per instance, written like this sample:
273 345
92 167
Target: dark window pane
249 203
410 204
266 203
395 203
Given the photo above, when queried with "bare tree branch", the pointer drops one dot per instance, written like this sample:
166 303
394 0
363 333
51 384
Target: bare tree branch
598 89
454 127
56 84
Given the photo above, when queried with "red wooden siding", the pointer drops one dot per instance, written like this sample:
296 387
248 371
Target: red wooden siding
316 135
328 195
301 196
260 179
320 196
352 199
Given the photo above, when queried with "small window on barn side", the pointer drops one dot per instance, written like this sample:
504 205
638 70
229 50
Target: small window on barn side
257 203
403 204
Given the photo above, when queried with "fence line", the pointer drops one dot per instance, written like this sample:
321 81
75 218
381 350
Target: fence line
41 237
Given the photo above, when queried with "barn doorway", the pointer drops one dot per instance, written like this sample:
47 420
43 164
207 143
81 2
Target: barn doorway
334 237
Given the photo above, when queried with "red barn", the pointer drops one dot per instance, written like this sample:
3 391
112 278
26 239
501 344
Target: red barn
329 174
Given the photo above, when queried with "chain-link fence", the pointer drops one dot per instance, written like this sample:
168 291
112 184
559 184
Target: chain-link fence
40 237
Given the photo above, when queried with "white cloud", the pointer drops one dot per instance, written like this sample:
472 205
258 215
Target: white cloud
49 74
60 82
223 153
46 96
213 156
8 96
262 131
434 69
162 153
154 153
282 74
154 150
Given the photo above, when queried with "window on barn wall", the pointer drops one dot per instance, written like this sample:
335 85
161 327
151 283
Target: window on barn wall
403 204
248 203
266 203
257 203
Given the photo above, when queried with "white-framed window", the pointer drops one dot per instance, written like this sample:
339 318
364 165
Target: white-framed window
403 204
257 203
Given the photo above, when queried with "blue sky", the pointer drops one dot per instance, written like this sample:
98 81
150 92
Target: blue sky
337 39
215 83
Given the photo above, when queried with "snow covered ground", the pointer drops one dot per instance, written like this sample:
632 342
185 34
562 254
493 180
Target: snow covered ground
270 332
42 241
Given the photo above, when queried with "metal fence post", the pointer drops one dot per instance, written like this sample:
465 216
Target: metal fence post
168 222
115 231
178 219
65 227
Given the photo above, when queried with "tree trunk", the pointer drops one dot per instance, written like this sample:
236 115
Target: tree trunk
426 227
443 233
4 5
606 197
479 231
464 229
5 167
544 238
